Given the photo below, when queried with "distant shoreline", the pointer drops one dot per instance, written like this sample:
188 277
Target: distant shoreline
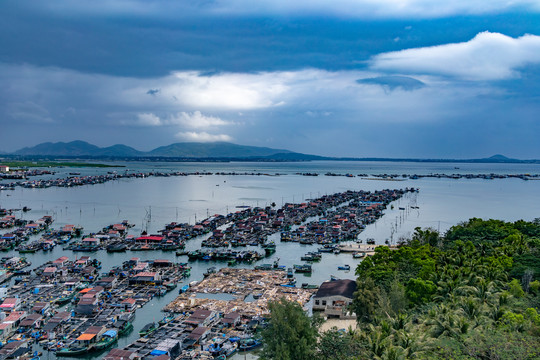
37 163
7 159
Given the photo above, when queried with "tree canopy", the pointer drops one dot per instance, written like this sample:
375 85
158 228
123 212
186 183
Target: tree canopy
473 293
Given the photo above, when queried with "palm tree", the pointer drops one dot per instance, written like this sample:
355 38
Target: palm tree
470 308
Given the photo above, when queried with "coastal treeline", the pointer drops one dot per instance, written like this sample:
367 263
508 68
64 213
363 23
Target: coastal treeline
472 293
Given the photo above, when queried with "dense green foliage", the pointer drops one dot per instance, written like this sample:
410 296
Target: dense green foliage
290 335
471 294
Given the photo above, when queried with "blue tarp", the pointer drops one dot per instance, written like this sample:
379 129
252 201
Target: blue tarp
158 352
110 333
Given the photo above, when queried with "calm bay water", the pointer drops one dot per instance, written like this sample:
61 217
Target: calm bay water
150 203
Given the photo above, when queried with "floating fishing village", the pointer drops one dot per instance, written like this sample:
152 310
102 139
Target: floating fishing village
75 179
70 307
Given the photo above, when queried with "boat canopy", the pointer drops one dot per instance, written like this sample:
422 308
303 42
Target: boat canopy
86 337
110 333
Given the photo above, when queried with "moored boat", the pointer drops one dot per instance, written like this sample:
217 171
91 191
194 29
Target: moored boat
116 247
74 351
123 326
108 339
249 344
306 268
148 329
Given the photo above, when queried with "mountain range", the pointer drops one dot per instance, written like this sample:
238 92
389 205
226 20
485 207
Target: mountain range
216 151
178 150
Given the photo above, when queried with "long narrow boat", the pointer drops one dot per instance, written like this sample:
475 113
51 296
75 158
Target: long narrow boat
249 344
108 339
65 298
73 351
148 329
124 327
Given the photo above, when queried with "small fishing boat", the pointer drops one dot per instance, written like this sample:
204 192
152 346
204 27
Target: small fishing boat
169 247
141 248
312 257
358 255
123 326
249 344
116 247
66 297
26 250
346 267
165 320
305 268
148 329
108 339
290 273
74 351
269 248
210 271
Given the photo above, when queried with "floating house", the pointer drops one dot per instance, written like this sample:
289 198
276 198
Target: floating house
10 304
201 317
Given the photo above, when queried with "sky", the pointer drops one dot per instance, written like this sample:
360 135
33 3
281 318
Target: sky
362 78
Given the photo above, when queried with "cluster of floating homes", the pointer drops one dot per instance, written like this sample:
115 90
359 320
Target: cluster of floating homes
7 173
11 266
22 233
115 238
75 179
102 307
71 309
456 176
214 318
336 217
50 239
262 222
489 176
344 222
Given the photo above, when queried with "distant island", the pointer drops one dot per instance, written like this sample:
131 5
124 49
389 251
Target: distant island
193 151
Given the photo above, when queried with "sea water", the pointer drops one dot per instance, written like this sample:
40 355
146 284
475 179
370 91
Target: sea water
152 202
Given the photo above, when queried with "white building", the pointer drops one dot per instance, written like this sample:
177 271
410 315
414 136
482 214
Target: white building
334 298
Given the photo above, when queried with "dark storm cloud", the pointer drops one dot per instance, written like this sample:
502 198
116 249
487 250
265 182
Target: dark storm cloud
420 79
153 92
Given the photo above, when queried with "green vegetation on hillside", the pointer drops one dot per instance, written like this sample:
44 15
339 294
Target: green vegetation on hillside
473 293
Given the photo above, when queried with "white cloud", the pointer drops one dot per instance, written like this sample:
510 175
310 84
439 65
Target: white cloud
202 137
193 120
197 120
488 56
226 90
148 119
